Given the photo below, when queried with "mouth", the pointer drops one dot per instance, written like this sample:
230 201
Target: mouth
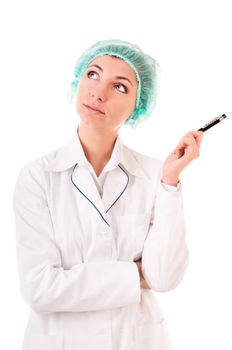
93 109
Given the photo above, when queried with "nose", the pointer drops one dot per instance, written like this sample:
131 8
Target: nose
98 93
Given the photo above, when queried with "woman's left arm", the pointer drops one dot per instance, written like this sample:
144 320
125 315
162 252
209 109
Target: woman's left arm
165 253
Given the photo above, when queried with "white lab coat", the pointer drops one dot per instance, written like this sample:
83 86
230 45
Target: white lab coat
76 249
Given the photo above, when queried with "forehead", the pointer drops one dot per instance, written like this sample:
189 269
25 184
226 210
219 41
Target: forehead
114 65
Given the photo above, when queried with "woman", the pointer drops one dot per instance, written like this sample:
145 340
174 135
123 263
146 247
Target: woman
100 227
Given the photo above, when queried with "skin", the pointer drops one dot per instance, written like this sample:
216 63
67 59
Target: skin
117 99
98 132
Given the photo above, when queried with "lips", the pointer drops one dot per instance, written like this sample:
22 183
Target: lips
94 109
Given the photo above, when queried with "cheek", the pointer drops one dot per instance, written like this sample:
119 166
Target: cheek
122 104
81 93
84 84
129 103
121 109
79 100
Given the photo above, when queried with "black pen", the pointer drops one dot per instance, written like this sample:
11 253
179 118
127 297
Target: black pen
212 122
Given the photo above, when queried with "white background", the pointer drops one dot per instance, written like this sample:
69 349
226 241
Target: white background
40 43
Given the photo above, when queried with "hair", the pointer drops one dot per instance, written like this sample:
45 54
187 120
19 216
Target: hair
145 67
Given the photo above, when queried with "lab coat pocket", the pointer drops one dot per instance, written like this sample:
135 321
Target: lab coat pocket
132 230
152 336
38 341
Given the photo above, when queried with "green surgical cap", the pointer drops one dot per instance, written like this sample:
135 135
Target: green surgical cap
145 67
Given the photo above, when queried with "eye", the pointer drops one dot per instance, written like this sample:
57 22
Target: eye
124 88
91 71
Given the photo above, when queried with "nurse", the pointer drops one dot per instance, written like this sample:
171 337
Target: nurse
99 226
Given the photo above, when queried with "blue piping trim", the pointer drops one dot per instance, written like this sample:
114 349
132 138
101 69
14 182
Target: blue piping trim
122 191
92 202
87 197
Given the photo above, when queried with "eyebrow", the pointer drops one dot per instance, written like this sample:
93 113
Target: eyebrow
118 77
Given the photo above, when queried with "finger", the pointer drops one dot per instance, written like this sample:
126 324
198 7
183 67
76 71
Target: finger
187 146
185 141
198 135
194 138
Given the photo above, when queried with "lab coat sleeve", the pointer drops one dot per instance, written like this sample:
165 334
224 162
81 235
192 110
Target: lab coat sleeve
165 253
45 285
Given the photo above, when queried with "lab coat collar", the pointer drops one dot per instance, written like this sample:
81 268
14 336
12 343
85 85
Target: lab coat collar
72 152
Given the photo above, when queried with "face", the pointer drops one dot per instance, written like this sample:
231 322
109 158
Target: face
110 85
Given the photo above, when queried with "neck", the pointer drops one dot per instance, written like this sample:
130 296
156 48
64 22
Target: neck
97 146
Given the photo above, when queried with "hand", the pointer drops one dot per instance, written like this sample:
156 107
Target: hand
186 150
143 283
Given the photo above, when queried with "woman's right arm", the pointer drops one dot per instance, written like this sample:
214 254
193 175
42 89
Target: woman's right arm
45 285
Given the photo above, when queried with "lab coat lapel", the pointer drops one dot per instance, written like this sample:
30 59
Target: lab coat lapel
115 184
86 188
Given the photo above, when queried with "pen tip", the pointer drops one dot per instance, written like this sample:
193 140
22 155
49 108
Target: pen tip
223 115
